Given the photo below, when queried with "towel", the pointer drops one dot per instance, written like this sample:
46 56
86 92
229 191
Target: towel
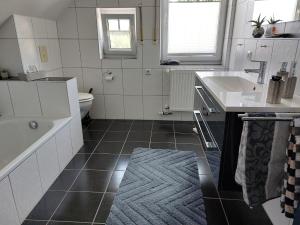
254 157
291 189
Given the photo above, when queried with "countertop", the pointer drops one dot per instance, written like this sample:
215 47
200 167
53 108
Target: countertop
245 101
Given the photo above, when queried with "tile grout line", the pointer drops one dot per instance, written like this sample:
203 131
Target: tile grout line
119 155
151 133
66 193
174 133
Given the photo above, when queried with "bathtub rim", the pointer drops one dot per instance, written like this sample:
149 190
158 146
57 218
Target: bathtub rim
58 124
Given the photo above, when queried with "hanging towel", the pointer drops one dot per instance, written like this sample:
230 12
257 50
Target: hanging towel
254 157
291 188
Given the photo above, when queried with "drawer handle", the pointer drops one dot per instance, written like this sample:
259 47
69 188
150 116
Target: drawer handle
210 109
239 44
208 144
264 46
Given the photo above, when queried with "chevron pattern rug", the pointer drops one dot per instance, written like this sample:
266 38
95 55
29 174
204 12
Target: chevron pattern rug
160 187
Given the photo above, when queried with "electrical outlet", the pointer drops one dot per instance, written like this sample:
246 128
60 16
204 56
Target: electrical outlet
147 72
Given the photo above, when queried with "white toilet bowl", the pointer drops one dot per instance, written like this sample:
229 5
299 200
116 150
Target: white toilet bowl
85 103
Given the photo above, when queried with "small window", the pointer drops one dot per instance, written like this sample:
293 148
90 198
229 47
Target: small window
118 32
193 30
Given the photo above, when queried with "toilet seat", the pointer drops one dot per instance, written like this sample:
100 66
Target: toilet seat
85 97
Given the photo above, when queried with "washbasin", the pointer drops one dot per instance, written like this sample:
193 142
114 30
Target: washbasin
232 84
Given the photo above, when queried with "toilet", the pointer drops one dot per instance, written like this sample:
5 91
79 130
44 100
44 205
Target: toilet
85 103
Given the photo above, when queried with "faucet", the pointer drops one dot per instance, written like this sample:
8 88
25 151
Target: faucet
261 70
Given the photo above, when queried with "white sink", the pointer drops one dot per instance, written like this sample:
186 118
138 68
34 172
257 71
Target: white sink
232 84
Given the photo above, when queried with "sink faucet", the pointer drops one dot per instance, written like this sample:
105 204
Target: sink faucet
261 70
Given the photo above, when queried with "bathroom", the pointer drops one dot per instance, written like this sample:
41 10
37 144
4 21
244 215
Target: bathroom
149 112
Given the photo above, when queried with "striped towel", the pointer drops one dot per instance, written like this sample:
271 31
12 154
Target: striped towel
291 187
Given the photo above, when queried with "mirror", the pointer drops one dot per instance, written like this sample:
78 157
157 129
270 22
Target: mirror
284 10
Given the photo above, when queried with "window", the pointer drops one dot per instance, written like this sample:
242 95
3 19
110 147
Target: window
193 30
117 32
284 10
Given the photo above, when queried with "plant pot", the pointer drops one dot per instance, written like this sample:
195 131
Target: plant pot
258 32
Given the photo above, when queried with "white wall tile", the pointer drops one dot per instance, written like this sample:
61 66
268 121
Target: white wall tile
54 99
166 83
152 106
187 116
129 3
25 98
92 79
115 86
67 24
51 29
148 22
8 29
149 2
23 26
111 63
132 81
48 163
76 134
75 72
85 3
8 211
98 107
87 23
39 28
107 3
29 54
5 102
64 146
26 185
73 97
114 107
90 56
292 27
54 54
133 107
70 54
152 84
151 55
134 63
297 90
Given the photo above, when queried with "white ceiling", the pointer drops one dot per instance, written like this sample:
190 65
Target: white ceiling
48 9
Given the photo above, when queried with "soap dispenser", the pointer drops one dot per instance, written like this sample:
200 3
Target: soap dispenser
290 82
275 90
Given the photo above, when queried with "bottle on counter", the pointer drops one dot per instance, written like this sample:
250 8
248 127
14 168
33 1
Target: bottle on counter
283 71
290 82
275 90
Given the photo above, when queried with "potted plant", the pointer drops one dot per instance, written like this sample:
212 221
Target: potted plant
272 28
258 30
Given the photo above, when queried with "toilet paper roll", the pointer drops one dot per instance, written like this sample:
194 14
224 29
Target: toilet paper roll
108 78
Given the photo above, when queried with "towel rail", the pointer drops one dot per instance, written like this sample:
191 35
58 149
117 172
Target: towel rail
245 117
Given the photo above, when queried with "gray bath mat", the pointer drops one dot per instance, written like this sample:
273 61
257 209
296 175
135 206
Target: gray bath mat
160 187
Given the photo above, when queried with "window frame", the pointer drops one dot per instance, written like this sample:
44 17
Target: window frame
193 58
110 53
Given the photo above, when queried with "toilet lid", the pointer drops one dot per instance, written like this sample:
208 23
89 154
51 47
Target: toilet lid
85 97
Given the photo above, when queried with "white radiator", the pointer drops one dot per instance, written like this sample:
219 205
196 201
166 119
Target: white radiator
182 90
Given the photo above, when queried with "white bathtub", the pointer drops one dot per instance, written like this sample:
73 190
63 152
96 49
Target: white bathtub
18 140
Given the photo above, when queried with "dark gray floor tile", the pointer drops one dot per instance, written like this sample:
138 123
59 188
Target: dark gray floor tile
191 147
231 194
183 122
130 146
239 213
78 161
120 126
214 212
140 125
92 180
123 162
203 166
78 206
46 206
115 181
165 122
115 136
139 136
66 223
99 125
187 138
88 147
184 128
208 187
90 135
33 222
157 145
162 128
64 180
163 137
109 147
102 162
105 208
